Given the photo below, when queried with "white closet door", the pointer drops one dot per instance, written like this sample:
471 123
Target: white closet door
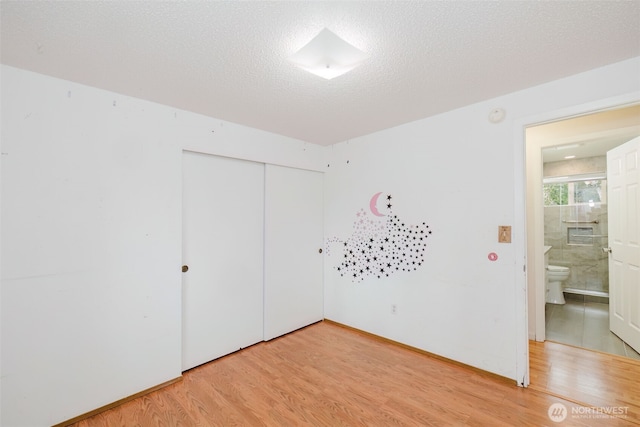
223 239
293 236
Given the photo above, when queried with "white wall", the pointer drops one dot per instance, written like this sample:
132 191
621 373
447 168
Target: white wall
91 240
91 232
454 171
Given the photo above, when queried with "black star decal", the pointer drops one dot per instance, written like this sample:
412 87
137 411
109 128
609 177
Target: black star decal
399 245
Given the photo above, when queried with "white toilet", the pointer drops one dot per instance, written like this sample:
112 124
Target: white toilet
555 276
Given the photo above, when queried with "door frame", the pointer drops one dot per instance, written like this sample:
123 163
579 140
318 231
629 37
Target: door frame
529 225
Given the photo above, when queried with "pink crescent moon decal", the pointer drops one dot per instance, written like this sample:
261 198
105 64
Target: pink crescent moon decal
373 203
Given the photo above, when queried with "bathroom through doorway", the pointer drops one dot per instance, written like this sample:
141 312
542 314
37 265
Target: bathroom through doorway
573 225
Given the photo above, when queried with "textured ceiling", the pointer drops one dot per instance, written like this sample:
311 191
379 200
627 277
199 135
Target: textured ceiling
228 59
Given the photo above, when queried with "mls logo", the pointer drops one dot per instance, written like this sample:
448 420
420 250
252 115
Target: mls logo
557 412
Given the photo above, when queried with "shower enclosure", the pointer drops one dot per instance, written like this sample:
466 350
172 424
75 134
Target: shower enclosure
575 226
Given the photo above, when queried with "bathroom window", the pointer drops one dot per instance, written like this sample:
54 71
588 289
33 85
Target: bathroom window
556 194
575 190
588 191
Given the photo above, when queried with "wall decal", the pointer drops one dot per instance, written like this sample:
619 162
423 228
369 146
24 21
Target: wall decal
373 205
381 243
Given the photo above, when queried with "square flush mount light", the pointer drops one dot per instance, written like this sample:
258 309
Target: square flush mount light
328 56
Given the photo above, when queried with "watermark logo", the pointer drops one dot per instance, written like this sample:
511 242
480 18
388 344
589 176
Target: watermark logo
557 412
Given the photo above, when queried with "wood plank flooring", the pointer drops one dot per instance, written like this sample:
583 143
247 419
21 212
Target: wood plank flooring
328 375
589 377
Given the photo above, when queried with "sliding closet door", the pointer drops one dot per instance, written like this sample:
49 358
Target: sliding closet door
223 229
293 236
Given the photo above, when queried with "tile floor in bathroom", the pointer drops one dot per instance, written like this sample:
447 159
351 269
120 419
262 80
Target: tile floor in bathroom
584 324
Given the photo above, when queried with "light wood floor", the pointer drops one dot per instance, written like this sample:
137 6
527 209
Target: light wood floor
589 377
327 375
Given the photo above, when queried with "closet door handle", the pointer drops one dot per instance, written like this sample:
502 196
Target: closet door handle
185 268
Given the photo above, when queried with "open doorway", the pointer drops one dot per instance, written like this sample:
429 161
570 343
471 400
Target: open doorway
567 208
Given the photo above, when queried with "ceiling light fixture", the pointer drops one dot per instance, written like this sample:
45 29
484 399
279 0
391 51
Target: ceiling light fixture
328 56
566 147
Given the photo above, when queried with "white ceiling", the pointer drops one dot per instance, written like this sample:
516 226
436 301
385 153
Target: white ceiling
228 59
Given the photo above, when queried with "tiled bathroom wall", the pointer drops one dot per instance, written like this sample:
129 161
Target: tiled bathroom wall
588 262
575 166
